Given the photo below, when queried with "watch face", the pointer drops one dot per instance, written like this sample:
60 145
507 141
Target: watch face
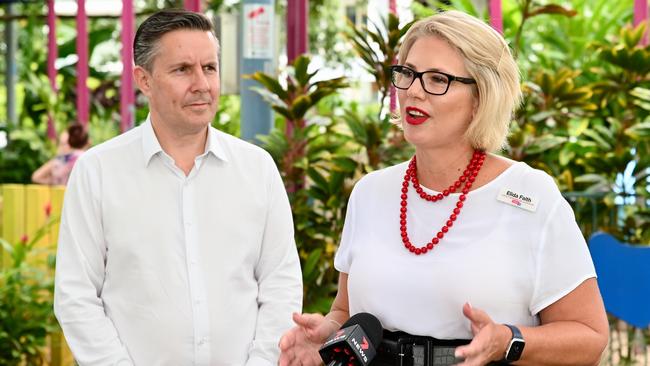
515 349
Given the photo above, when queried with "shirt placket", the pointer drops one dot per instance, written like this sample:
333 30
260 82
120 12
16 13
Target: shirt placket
200 315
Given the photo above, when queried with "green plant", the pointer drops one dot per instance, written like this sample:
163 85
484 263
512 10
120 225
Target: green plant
314 169
26 299
378 48
381 140
293 100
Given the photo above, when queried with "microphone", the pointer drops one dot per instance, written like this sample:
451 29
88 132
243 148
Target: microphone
354 344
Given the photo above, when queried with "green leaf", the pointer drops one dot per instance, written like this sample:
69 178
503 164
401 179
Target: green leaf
639 131
553 9
269 83
311 262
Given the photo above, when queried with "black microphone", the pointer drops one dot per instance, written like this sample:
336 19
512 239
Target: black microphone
354 344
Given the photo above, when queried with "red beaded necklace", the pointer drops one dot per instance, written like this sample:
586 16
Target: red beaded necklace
468 177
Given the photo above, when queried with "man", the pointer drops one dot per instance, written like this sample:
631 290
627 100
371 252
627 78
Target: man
176 242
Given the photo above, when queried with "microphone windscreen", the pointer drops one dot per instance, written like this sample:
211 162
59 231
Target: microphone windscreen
370 324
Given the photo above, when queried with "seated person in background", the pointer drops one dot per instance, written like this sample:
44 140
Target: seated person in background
459 225
72 144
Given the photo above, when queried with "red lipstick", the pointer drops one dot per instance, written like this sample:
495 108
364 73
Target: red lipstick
415 116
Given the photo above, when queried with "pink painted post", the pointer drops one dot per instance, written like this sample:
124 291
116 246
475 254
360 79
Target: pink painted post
52 54
296 28
192 5
392 8
127 94
496 15
641 15
83 105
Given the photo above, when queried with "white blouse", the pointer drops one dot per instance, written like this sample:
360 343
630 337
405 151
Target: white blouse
499 255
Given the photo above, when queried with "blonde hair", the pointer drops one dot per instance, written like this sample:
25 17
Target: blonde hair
488 60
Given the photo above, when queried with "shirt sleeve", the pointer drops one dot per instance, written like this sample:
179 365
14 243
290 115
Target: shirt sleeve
80 267
343 257
278 275
563 259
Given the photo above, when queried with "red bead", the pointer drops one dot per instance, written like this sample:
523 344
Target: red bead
468 177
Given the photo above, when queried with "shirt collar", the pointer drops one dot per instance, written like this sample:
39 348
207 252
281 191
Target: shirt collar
216 144
151 146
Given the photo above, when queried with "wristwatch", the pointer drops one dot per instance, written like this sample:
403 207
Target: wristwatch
516 345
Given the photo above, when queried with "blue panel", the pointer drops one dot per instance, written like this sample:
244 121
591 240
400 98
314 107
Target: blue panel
623 277
255 55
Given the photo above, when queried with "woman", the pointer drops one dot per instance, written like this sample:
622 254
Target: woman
72 143
458 225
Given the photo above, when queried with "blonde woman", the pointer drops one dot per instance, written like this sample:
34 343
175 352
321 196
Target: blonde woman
473 254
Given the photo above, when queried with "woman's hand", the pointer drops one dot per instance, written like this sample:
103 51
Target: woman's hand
490 339
299 346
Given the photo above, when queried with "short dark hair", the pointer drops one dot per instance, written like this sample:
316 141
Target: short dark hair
77 136
145 44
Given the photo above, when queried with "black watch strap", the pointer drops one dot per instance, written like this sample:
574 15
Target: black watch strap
515 346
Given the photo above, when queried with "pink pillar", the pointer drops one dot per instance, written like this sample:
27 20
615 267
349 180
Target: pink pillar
83 104
127 94
641 15
392 8
52 54
192 5
496 15
296 28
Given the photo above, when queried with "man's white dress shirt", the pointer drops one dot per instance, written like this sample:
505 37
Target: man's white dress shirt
158 268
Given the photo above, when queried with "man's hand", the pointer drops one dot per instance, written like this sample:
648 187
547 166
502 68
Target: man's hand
490 339
299 346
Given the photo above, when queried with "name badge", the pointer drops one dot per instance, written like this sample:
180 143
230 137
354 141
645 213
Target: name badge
517 199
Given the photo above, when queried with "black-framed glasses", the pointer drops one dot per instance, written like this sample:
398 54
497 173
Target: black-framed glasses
433 82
